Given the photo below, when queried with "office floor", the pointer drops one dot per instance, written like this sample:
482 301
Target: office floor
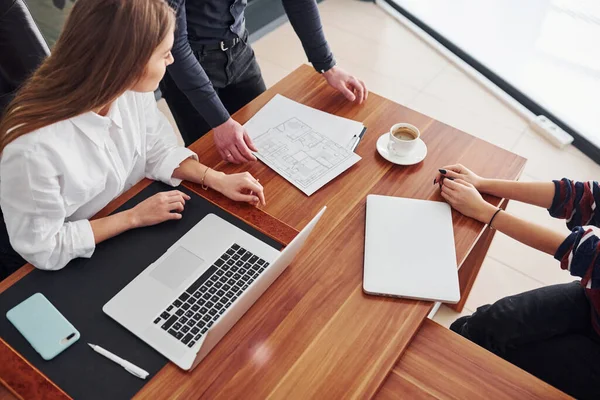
396 64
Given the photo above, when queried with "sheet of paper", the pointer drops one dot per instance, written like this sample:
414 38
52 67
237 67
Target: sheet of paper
307 147
280 109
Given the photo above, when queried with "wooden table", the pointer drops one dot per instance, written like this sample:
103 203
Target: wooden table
439 364
314 333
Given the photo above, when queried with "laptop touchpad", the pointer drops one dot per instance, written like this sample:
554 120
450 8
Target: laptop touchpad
177 267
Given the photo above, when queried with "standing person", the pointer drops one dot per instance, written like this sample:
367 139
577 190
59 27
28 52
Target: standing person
85 127
552 332
215 72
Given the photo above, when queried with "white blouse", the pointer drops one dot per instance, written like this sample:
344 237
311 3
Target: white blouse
54 179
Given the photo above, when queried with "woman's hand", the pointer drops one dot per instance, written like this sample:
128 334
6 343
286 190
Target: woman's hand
240 187
459 171
465 199
158 208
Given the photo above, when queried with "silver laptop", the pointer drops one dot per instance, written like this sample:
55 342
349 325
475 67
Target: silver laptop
409 249
186 301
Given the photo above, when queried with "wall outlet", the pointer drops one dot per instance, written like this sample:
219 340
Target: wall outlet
552 132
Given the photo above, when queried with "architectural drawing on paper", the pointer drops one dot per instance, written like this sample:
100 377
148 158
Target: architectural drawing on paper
299 153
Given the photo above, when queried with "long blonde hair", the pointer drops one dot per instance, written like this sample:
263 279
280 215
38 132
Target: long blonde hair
101 53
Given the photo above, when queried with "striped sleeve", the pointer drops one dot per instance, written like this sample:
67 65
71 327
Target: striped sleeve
579 255
576 202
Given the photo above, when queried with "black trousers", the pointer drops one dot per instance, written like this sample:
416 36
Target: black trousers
547 332
10 260
236 77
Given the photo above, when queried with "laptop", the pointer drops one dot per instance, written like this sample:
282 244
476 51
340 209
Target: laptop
188 299
409 250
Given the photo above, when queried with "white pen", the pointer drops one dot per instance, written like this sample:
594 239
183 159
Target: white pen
129 367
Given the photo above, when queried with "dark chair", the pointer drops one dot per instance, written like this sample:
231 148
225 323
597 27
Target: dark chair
22 48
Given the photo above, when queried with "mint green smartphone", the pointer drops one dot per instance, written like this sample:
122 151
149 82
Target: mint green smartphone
44 327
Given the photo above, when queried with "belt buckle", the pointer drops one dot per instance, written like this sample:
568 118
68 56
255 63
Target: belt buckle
234 42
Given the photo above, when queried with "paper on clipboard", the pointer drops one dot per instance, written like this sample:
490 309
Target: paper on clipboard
307 147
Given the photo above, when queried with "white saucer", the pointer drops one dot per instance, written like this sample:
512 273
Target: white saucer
418 154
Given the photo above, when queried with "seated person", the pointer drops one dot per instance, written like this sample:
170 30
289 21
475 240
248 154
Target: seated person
552 332
85 128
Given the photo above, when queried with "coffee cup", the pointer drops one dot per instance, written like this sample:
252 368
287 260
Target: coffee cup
403 139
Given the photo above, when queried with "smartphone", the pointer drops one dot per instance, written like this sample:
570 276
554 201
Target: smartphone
44 327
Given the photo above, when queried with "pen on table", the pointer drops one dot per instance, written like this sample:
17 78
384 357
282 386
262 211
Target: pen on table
129 367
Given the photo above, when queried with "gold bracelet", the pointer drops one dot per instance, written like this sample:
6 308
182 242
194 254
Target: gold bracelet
203 177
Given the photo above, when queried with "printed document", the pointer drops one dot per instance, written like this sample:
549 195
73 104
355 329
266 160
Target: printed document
306 146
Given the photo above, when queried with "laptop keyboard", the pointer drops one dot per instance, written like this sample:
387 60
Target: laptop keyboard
188 318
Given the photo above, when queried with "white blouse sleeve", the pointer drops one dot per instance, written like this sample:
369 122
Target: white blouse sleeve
34 212
163 153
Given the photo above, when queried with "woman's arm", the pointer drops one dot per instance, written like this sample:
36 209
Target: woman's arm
238 187
577 252
537 193
565 199
529 233
35 215
576 202
168 162
111 226
465 198
161 207
34 211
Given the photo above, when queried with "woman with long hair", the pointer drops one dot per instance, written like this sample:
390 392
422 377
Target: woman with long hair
85 127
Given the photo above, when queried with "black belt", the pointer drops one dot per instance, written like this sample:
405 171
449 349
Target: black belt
223 45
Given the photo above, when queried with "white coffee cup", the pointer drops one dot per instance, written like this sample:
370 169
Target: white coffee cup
405 145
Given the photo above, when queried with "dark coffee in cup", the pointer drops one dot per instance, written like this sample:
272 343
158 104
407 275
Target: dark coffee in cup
404 133
403 139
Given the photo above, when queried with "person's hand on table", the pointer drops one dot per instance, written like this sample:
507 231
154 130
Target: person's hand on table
458 171
161 207
238 187
233 142
351 87
465 199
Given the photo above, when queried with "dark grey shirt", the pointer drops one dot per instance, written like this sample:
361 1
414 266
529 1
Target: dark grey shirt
215 20
210 21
